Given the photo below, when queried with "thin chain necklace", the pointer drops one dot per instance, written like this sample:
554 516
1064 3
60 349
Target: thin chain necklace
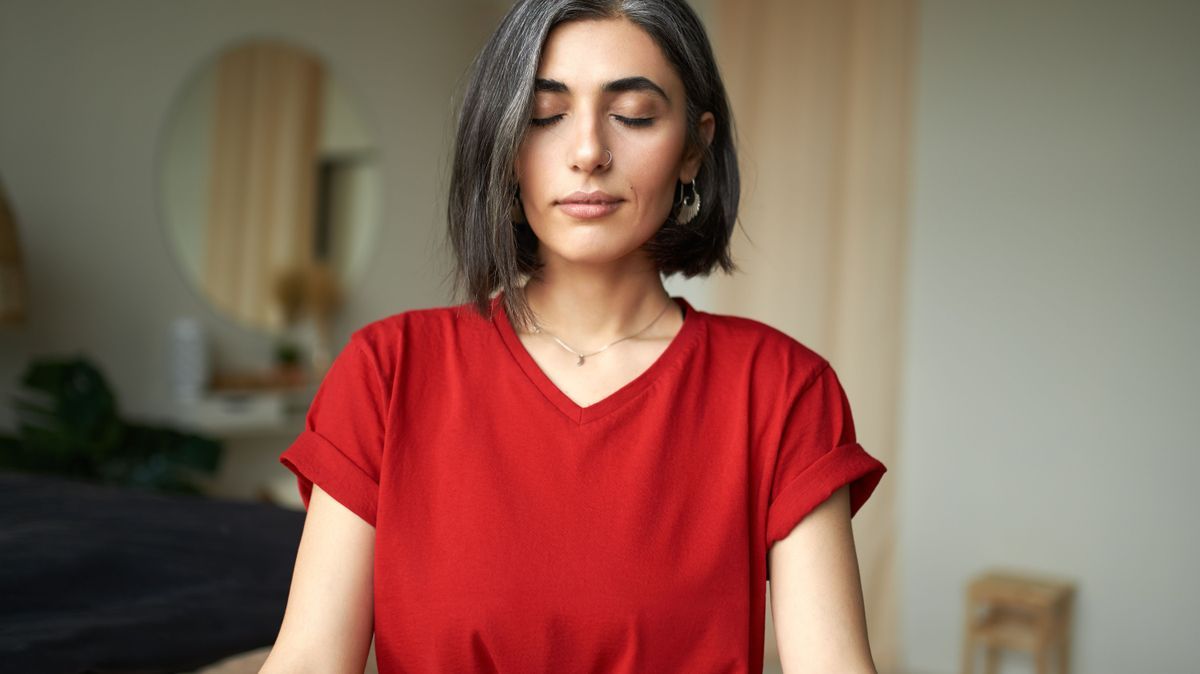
538 329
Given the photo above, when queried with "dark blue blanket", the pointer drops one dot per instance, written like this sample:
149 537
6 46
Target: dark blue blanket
104 579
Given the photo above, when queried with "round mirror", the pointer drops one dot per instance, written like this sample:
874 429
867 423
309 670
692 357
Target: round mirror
269 185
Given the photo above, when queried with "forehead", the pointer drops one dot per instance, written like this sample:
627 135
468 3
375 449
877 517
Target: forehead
586 53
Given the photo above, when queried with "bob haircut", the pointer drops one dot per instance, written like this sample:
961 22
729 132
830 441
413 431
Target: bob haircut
492 251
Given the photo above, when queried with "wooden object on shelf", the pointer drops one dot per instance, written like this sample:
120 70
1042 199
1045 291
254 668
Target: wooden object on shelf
1018 611
277 379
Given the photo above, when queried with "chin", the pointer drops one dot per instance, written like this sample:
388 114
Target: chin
592 242
592 252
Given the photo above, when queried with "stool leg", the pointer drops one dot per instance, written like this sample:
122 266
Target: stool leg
992 659
1044 641
1064 640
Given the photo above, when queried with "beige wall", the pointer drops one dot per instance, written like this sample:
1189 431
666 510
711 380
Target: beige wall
1051 367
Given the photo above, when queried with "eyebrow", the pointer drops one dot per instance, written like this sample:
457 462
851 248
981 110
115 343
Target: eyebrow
636 83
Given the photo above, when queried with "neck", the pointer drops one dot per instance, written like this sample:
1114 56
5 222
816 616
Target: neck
593 309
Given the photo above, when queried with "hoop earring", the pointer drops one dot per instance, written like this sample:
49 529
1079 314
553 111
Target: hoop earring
688 207
517 210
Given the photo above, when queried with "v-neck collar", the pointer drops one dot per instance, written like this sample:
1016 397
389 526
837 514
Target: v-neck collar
681 344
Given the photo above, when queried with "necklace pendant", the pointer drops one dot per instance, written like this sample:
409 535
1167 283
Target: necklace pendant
580 362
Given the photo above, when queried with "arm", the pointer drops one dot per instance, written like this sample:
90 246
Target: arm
816 594
329 620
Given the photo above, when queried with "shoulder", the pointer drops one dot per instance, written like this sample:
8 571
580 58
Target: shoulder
770 351
387 338
742 333
425 318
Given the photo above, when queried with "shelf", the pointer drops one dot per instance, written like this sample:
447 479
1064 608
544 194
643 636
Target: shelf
236 414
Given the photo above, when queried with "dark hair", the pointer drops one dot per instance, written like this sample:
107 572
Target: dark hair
492 251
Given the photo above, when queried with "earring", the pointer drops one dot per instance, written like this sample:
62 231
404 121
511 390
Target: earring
517 211
688 208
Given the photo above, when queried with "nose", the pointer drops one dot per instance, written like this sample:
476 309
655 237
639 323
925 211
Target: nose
588 149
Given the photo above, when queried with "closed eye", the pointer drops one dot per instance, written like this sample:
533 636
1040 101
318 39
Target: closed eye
635 121
545 121
627 121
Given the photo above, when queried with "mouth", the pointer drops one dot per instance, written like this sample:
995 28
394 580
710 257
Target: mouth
586 205
585 210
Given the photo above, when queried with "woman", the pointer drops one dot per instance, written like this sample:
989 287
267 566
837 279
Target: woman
574 471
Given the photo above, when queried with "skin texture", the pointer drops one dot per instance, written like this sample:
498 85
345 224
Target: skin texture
816 594
598 285
329 620
568 155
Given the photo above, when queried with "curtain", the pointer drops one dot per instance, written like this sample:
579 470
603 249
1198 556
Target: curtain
821 92
262 179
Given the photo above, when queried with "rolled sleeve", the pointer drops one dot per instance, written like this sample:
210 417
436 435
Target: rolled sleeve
316 460
341 446
818 453
845 464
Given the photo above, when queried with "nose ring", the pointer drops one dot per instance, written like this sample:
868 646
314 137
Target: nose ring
610 158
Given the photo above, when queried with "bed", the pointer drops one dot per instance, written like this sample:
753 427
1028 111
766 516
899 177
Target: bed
106 579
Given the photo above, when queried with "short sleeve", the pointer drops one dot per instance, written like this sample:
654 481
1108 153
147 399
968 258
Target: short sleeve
341 446
818 454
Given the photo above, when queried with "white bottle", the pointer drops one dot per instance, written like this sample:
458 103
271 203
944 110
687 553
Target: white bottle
188 359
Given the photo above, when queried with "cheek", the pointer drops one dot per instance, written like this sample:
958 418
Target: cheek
653 175
535 173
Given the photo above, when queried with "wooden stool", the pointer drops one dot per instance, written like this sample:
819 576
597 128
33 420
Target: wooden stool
1018 611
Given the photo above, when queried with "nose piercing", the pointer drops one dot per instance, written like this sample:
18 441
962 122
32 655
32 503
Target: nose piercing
610 158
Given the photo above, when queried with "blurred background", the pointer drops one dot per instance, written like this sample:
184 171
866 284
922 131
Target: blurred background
985 214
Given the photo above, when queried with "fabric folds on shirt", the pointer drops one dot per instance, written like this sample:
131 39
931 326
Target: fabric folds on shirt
518 531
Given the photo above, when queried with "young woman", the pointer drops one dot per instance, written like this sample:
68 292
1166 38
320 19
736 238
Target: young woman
573 471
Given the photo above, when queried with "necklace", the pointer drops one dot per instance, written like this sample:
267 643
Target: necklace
538 329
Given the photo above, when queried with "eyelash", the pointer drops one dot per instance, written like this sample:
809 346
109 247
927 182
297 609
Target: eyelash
636 122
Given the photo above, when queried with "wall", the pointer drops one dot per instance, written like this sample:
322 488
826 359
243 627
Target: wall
87 90
1051 362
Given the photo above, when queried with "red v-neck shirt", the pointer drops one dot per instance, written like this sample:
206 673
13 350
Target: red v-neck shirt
518 532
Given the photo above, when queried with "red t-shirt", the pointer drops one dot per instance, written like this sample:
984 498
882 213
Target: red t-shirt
516 531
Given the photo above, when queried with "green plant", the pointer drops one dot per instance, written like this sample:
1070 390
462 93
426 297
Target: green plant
69 424
287 352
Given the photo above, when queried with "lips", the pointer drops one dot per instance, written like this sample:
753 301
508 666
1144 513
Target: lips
596 197
588 205
588 211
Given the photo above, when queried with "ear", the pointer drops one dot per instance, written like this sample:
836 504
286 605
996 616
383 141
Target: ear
691 163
